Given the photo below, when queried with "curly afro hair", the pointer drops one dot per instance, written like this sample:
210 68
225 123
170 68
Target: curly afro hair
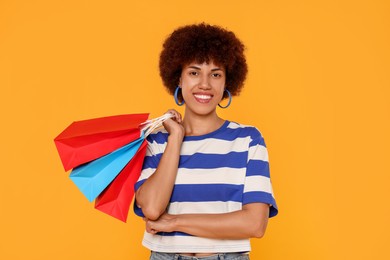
202 43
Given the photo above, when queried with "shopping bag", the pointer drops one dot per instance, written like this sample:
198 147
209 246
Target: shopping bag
115 200
92 174
93 177
86 140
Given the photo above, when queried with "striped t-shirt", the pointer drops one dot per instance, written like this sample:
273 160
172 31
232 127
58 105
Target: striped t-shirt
218 173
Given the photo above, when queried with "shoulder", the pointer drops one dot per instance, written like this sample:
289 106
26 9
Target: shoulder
242 129
247 131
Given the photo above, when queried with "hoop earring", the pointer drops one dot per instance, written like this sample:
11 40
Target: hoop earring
176 99
230 100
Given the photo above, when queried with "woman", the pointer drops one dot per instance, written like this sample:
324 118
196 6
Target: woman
205 187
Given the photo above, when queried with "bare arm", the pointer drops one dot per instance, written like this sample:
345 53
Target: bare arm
154 194
249 222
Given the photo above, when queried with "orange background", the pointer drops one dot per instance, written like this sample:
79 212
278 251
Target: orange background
318 89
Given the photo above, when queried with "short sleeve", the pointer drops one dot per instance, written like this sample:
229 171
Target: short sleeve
258 186
155 148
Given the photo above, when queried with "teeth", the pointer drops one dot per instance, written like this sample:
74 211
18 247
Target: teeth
203 96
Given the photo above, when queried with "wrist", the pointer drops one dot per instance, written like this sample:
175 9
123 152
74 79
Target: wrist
176 223
175 137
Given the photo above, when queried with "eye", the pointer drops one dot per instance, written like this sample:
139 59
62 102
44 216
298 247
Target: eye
216 75
193 73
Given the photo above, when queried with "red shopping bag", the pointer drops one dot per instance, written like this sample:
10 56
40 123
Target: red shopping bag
115 200
86 140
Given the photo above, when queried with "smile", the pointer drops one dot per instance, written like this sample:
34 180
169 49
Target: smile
202 98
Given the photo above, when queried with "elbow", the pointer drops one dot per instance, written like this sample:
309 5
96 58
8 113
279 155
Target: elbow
151 213
150 209
258 231
257 218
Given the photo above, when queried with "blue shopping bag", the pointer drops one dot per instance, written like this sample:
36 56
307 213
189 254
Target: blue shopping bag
93 177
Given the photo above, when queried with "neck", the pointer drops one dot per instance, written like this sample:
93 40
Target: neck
195 124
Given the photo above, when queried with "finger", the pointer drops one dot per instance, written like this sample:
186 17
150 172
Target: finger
153 232
148 228
177 116
171 111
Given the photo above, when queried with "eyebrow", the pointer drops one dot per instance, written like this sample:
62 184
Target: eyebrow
198 68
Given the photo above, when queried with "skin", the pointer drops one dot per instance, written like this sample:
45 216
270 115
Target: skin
202 89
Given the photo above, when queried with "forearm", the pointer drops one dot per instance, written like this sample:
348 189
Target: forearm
236 225
154 194
249 222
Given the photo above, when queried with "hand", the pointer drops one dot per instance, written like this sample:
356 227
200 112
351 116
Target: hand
174 125
165 223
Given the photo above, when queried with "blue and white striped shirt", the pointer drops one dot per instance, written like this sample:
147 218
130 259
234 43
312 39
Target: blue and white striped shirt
218 173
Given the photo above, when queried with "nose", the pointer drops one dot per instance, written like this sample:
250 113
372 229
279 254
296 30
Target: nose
204 82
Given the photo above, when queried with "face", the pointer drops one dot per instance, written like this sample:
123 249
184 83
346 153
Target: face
202 86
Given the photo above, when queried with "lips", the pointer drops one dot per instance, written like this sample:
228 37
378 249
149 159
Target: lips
203 98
